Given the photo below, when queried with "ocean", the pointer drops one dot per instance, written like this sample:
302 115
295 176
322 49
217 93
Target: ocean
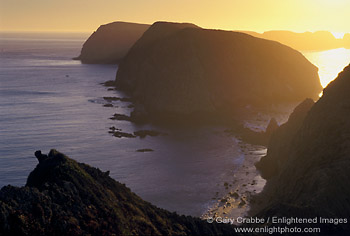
48 100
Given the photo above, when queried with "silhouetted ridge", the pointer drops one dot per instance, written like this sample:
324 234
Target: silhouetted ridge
64 197
280 141
183 70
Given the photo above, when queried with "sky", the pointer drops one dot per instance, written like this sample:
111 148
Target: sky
255 15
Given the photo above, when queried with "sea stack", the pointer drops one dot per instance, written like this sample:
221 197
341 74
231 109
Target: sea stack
111 42
183 71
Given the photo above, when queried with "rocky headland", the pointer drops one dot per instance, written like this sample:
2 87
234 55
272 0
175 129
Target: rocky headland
64 197
308 168
183 72
111 42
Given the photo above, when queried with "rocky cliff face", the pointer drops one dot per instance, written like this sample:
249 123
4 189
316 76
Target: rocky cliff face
314 176
111 42
63 197
177 69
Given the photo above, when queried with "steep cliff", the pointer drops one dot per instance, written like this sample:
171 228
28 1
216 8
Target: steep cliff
179 69
279 143
111 42
314 176
64 197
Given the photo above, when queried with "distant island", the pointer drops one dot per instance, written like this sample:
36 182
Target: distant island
183 72
318 41
110 43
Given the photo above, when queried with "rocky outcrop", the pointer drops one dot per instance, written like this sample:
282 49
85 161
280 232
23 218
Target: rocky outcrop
64 197
314 176
254 137
280 141
183 71
111 42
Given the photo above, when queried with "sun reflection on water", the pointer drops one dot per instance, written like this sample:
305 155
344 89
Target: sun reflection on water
330 63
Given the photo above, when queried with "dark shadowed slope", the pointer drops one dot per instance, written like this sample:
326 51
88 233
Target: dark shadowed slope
280 141
314 170
64 197
185 70
111 42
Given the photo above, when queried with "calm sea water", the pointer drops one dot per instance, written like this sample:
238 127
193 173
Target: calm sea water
49 101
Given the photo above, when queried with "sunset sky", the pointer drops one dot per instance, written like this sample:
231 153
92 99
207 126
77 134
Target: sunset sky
256 15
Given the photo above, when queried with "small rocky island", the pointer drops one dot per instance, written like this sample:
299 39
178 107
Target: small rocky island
111 42
64 197
180 71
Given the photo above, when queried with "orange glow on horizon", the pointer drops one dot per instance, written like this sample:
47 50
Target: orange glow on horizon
329 63
254 15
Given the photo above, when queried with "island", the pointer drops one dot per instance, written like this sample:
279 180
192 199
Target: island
111 42
183 72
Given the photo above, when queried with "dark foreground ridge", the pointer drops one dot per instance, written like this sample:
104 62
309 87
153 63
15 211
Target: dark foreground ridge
280 141
64 197
309 171
183 71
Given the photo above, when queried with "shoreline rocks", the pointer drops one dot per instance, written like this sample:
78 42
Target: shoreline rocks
145 150
140 133
255 137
